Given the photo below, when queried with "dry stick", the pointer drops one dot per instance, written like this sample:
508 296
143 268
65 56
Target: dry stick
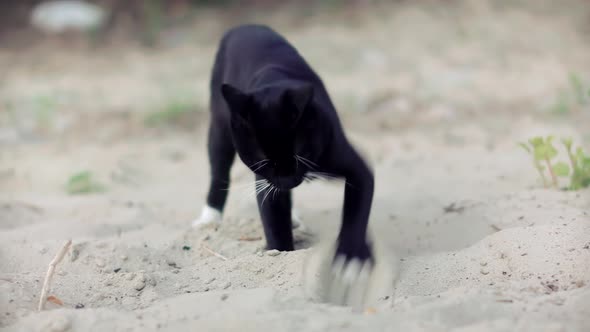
209 250
60 255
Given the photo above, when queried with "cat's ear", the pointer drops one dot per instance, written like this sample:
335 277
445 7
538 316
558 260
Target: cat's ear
236 99
300 98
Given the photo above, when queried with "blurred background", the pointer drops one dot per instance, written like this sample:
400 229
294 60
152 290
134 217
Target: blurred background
66 62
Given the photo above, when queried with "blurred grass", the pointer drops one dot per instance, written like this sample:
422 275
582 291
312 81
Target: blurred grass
174 112
83 183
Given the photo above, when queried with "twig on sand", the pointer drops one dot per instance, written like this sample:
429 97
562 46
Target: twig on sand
46 284
250 238
216 254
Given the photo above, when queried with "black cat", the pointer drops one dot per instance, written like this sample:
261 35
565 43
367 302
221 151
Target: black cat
269 106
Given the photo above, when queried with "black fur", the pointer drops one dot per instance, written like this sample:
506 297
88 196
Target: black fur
267 103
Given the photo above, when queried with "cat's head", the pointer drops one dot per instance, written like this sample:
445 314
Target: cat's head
276 131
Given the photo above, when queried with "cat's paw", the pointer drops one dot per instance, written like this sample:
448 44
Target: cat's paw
209 216
296 221
359 282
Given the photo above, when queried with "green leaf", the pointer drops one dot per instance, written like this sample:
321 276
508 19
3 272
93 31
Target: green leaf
551 152
561 169
536 141
525 147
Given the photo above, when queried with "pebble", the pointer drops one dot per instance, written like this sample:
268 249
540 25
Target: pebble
42 250
209 281
130 276
224 297
226 285
260 253
139 283
100 262
124 257
206 237
58 324
74 254
484 271
483 263
273 252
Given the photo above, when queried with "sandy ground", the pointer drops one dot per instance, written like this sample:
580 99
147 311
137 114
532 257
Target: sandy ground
480 245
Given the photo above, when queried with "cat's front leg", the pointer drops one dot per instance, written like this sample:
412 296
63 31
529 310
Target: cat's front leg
275 212
345 272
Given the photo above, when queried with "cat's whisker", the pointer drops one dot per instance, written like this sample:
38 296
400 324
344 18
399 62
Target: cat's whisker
260 166
243 185
258 162
266 195
304 162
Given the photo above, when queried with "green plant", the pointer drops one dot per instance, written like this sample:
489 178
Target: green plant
83 183
580 162
544 153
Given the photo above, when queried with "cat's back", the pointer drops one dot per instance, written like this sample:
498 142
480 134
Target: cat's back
252 46
252 37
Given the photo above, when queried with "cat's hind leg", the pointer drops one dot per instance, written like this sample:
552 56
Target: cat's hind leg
221 157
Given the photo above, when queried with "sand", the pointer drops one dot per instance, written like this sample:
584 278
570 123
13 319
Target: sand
477 242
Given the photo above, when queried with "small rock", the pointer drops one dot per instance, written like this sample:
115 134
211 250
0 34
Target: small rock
171 263
175 271
138 285
273 253
43 250
260 253
61 273
74 254
186 248
57 324
124 257
226 285
209 281
484 271
130 276
140 282
79 306
206 237
483 263
100 262
224 297
117 270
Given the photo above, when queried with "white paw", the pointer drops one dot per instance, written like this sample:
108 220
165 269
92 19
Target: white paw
208 216
357 284
297 222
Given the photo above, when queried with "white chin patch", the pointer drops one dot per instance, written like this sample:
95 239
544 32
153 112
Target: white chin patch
355 284
208 216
